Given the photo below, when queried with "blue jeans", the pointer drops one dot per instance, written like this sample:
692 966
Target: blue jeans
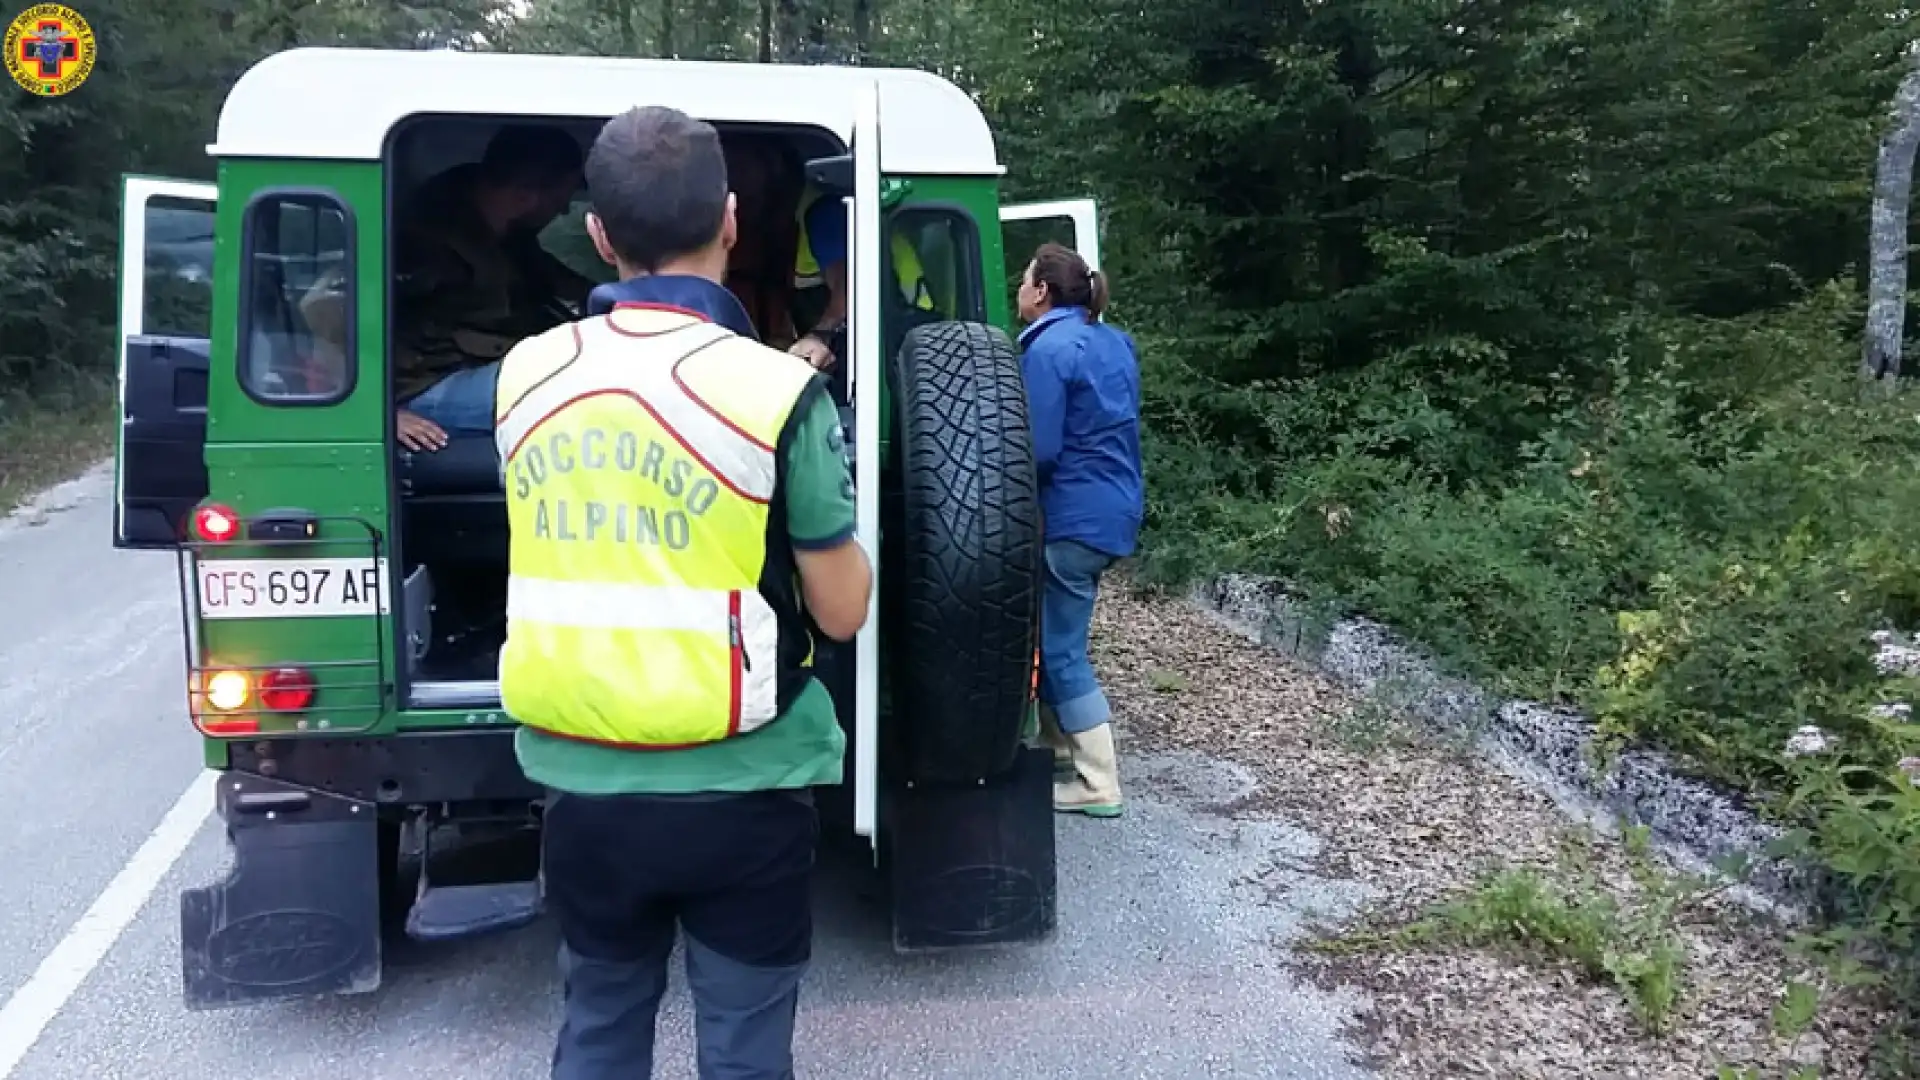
461 403
1067 681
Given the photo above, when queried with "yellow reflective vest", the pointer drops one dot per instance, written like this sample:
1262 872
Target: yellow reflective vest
645 606
906 261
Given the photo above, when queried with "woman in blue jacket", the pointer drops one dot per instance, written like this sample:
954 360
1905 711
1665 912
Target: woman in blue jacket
1083 391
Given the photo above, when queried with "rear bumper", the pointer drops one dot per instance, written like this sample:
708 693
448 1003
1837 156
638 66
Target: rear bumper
313 828
411 769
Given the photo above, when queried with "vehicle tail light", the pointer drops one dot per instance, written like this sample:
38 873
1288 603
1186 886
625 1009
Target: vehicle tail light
215 523
230 700
228 690
223 692
287 689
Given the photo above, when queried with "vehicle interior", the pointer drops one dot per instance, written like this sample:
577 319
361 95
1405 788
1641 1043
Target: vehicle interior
452 532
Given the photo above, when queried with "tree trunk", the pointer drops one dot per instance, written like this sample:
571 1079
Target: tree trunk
862 30
789 30
1887 280
766 31
627 33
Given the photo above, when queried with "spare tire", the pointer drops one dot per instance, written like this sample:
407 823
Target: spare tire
961 573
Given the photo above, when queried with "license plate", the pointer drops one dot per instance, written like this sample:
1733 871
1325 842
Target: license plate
291 588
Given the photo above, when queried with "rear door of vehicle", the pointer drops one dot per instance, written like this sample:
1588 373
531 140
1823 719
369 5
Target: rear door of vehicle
166 304
1025 226
868 391
290 605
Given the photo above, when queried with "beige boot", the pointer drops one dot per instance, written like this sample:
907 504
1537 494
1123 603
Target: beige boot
1094 789
1054 739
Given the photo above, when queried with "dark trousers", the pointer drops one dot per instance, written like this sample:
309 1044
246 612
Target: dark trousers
734 872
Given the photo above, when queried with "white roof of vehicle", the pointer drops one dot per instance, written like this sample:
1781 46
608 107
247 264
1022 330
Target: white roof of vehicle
340 104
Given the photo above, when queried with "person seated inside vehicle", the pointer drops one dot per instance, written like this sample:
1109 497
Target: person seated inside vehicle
820 266
471 279
324 310
767 181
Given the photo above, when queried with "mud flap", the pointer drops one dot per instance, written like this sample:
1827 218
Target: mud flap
973 865
298 915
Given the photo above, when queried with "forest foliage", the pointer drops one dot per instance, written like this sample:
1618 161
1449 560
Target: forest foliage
1529 329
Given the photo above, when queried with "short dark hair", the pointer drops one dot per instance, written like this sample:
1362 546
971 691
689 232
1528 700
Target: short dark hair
657 179
530 155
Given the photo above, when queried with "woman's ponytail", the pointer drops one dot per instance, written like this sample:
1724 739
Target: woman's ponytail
1097 300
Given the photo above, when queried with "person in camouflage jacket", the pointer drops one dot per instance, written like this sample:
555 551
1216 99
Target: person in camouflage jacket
472 280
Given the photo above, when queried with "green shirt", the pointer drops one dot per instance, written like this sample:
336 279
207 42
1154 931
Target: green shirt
805 746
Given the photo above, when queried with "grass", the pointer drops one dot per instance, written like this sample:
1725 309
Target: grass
43 442
1565 915
1636 949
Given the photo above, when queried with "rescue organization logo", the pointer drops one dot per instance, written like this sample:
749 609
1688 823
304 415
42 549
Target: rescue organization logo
49 49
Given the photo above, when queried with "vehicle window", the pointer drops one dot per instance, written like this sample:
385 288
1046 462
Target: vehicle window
296 345
946 243
566 239
178 298
1023 238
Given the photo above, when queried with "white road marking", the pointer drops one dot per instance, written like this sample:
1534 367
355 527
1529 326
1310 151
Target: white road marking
34 1005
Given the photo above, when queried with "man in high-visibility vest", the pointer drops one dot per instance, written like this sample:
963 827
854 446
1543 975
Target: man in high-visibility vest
682 526
822 260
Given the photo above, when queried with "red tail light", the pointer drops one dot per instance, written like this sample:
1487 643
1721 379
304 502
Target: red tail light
287 689
216 524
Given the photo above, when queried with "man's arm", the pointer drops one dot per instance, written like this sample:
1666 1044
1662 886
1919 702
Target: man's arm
563 281
834 315
568 284
827 239
835 578
429 278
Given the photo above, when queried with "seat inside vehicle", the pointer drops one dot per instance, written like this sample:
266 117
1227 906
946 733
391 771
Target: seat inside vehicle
453 506
468 466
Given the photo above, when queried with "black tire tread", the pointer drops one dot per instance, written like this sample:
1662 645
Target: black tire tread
970 553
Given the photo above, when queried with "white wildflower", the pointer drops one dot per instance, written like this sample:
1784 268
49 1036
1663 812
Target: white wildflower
1881 637
1891 710
1911 767
1809 741
1894 659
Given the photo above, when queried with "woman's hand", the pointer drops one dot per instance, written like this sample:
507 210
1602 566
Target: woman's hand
418 433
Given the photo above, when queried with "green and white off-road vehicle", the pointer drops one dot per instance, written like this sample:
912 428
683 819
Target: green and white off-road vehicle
343 598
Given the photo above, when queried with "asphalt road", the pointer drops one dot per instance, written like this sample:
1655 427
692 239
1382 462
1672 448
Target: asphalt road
1167 964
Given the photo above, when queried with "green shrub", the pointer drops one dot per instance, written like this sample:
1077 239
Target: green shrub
1695 543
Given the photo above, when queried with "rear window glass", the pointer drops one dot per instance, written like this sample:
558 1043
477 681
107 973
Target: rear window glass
178 298
1024 237
947 246
297 296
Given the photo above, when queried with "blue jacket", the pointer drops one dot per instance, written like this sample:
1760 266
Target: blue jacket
1083 397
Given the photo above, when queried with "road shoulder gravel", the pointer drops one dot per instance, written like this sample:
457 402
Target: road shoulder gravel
1414 822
